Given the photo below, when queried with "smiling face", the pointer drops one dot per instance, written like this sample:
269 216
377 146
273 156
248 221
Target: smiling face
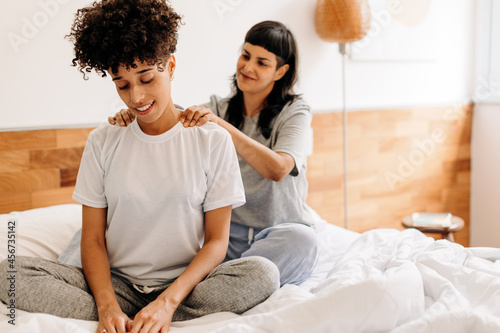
146 91
256 70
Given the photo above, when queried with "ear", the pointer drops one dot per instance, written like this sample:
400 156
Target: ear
281 72
170 66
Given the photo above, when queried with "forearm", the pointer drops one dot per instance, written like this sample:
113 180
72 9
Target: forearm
97 272
95 260
210 255
268 163
95 265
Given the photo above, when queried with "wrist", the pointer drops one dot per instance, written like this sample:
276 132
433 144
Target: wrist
106 307
169 303
106 301
221 122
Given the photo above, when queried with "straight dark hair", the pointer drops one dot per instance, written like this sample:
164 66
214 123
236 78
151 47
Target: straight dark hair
277 39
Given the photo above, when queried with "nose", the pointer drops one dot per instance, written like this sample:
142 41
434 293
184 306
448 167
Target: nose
249 67
136 94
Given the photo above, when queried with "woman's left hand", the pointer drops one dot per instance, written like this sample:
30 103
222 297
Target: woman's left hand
156 317
197 116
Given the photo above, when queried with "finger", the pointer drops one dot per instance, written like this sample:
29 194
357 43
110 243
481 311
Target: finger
156 328
136 326
202 121
120 327
106 330
127 116
111 329
102 328
193 112
112 120
147 327
129 325
196 116
131 114
119 119
117 325
165 329
188 117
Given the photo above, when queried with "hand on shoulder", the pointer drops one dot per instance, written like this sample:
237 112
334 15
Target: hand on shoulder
197 116
123 118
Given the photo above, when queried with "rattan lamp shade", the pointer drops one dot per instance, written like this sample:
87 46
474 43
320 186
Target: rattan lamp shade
342 21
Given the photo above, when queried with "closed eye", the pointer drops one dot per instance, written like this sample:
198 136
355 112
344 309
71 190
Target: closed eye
143 82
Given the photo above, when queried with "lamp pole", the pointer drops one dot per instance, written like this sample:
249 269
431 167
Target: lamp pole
342 50
342 21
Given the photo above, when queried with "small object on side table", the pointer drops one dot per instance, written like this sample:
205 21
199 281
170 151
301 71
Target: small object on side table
456 224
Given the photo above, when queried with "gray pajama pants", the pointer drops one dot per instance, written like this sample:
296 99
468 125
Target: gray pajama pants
50 287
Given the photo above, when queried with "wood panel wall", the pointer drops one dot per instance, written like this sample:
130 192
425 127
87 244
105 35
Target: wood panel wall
399 161
39 168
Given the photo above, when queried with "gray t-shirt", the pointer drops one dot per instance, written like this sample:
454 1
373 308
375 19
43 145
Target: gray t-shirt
269 203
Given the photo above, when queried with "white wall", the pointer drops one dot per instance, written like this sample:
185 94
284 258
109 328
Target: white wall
41 90
485 180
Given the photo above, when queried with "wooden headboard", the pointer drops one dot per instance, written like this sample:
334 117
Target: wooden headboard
39 168
399 161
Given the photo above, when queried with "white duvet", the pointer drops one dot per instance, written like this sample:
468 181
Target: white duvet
380 281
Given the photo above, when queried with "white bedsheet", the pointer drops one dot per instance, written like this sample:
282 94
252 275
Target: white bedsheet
380 281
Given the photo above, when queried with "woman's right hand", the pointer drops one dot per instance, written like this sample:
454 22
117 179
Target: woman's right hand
122 118
197 116
113 320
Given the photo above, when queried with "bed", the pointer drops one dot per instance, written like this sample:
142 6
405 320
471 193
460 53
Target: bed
383 280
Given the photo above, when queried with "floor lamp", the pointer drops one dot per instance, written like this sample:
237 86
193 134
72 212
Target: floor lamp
343 21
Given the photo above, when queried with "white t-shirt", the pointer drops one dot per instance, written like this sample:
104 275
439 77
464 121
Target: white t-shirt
156 189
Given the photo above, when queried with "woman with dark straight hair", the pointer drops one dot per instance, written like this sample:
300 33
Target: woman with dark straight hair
275 38
156 196
270 128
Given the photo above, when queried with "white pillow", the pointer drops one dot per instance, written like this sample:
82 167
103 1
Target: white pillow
41 232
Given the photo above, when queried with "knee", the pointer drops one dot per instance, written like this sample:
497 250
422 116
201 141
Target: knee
302 239
304 248
19 265
264 273
305 235
4 268
10 272
307 242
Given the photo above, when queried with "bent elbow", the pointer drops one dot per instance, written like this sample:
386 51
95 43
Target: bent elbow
277 175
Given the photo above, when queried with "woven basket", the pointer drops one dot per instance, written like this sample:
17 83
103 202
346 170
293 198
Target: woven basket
342 21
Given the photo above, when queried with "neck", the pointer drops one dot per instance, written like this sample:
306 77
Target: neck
165 122
255 102
252 107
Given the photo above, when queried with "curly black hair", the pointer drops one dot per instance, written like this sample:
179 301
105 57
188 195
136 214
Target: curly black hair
111 33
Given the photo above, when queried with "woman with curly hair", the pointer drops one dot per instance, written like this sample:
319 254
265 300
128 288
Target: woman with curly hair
156 196
270 128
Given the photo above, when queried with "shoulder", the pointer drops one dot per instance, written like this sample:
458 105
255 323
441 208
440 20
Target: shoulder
218 105
298 108
212 131
208 136
103 131
299 104
106 134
